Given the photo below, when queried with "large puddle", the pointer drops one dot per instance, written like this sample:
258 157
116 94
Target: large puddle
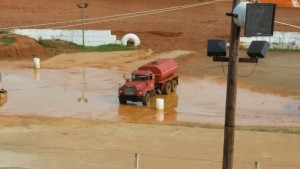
91 93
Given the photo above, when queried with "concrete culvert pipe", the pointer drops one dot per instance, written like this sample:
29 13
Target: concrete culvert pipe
131 38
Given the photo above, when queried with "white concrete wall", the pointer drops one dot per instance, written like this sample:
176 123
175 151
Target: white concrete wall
279 40
91 37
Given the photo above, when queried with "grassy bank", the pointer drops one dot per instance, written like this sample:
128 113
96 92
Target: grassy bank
58 44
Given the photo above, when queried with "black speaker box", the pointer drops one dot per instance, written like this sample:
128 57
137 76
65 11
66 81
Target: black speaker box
216 48
258 49
259 19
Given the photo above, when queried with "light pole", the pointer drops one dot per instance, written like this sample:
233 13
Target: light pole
82 6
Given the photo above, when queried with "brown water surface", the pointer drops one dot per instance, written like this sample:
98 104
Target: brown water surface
91 93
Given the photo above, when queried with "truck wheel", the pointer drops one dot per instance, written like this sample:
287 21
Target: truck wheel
173 85
167 88
162 88
122 101
146 99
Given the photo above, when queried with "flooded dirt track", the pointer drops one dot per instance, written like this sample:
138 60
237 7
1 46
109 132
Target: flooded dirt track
91 93
73 92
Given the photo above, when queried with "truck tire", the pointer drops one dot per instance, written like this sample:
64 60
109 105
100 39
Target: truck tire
173 86
162 88
167 88
146 99
122 101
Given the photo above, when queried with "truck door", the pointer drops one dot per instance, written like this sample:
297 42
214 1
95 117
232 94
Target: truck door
150 82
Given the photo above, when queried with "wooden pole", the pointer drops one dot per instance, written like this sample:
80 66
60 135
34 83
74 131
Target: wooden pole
245 60
136 162
82 6
231 95
0 80
256 165
82 26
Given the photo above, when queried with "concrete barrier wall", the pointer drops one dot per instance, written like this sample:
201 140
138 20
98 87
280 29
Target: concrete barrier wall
91 37
279 40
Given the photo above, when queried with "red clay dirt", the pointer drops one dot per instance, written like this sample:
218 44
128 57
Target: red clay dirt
185 29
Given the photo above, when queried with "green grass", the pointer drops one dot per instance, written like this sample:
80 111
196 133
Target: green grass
285 50
72 46
111 47
7 40
3 32
279 49
47 43
274 130
256 129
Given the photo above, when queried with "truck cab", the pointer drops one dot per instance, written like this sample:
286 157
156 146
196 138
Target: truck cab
141 87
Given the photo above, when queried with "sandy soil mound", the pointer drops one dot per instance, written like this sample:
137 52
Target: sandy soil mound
21 48
125 60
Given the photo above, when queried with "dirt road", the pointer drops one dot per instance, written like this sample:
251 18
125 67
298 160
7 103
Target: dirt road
65 143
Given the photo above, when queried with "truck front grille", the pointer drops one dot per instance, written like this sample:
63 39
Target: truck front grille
129 91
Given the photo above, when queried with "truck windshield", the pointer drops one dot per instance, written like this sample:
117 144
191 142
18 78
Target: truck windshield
139 78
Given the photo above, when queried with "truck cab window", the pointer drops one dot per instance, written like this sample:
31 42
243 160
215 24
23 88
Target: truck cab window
139 78
150 77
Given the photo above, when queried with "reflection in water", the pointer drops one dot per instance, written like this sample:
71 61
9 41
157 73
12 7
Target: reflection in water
3 101
59 93
37 74
160 115
83 98
3 93
138 113
0 80
3 97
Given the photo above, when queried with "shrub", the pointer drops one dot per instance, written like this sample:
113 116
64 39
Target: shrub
8 40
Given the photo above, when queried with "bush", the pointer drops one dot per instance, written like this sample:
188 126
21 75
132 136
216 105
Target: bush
4 32
8 40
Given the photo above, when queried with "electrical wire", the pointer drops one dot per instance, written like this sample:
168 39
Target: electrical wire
223 66
280 74
254 68
250 72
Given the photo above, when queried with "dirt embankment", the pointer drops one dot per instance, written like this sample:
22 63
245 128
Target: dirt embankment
20 48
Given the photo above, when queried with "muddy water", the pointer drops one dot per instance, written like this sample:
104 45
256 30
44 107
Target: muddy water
91 93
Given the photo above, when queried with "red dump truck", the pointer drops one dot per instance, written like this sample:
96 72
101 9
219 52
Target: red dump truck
157 77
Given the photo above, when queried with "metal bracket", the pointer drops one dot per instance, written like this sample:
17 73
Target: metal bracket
232 15
226 59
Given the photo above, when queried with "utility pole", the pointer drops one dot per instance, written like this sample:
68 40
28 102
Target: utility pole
82 6
231 94
257 49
